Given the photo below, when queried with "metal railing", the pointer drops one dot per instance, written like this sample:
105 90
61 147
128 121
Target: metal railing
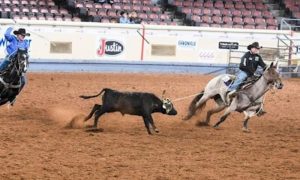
290 24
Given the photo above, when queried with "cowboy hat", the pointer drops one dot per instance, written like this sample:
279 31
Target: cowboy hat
254 45
21 31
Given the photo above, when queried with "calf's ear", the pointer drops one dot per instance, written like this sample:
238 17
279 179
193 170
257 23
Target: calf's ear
163 94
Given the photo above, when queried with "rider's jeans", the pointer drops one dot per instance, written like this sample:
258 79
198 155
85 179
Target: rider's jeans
5 63
241 76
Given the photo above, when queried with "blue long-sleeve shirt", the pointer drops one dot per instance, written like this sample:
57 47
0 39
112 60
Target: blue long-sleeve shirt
124 20
13 44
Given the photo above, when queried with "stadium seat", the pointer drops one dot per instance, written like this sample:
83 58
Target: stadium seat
206 11
261 26
196 19
249 21
237 21
198 4
237 13
207 20
228 20
227 25
249 26
229 5
256 13
216 12
217 20
249 6
219 5
238 26
208 4
260 21
272 27
197 11
226 12
247 13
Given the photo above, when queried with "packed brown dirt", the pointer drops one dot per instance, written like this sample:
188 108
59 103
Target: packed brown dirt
35 143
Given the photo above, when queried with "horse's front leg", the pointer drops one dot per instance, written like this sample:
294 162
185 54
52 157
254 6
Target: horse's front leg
230 109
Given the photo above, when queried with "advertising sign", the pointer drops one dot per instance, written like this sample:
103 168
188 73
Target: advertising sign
228 45
109 47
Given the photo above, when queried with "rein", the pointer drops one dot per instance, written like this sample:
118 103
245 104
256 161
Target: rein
7 85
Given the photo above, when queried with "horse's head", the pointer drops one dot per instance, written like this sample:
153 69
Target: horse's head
271 74
18 65
22 60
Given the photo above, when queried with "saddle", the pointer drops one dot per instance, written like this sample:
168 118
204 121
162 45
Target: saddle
245 84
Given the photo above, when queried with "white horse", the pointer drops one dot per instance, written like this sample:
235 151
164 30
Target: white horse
248 100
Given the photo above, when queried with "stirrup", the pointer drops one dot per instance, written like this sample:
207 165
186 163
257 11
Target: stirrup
229 96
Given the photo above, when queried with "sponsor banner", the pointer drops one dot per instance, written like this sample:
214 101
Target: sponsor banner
186 44
228 45
205 55
109 48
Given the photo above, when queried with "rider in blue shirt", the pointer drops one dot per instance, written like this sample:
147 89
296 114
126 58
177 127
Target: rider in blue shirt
14 42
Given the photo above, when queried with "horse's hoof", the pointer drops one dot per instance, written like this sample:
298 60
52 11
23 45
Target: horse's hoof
216 127
156 130
246 130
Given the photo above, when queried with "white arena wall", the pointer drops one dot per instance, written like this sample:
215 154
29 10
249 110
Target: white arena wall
84 42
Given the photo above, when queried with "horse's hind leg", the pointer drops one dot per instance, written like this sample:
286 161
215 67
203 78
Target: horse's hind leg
213 111
95 108
195 105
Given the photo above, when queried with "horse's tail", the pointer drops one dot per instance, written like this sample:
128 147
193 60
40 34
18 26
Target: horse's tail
88 97
193 108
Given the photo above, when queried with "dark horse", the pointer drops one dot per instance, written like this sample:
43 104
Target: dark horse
10 78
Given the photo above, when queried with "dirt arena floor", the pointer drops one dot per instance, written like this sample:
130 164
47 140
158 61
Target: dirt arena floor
35 144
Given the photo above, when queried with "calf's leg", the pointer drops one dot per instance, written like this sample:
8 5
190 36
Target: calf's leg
147 124
95 108
152 124
98 113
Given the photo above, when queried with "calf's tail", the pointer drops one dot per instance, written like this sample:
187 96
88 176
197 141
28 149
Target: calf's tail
93 96
192 107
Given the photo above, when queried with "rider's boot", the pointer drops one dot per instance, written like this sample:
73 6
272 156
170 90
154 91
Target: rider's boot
229 96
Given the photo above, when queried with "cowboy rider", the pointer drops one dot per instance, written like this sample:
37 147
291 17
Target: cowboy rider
248 66
15 42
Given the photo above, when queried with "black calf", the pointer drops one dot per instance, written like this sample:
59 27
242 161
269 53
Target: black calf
134 103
